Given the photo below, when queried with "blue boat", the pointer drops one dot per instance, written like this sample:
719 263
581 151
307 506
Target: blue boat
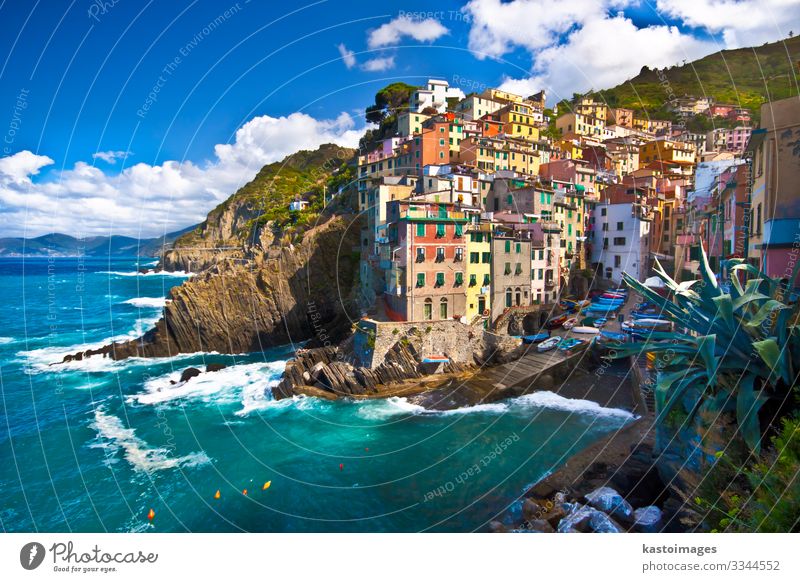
532 339
613 335
606 300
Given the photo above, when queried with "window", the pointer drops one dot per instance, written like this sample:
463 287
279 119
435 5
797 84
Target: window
443 309
605 226
459 254
510 200
487 280
420 230
508 297
507 270
439 230
620 226
617 261
474 258
519 248
619 241
508 246
603 211
486 258
459 230
518 269
420 279
541 255
605 243
541 274
439 254
473 280
459 280
427 309
420 254
439 279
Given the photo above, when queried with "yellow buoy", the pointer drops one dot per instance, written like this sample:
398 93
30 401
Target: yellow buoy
217 494
266 485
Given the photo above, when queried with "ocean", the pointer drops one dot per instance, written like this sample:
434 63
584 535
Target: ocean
93 446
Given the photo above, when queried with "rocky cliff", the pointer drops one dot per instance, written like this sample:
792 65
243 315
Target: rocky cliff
265 276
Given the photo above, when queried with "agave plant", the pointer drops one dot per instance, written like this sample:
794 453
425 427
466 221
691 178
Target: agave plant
742 346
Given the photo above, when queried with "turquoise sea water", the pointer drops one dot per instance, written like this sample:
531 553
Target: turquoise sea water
93 445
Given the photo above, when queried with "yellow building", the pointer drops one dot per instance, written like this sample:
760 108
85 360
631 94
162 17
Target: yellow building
410 122
587 125
665 150
456 134
478 270
518 121
591 108
503 96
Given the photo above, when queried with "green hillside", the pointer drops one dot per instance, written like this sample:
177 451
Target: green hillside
304 174
746 77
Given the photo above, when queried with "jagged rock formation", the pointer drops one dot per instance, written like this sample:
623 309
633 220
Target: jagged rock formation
326 372
275 270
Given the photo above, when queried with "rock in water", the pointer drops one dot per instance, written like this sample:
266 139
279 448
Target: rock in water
215 367
647 519
609 501
189 373
582 518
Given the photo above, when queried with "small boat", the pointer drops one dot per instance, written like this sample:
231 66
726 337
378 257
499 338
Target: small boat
585 329
535 338
605 300
435 360
570 323
555 322
570 343
567 304
548 344
600 322
612 336
612 296
644 314
582 303
645 325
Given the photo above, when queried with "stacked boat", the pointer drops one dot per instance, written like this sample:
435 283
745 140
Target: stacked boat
608 303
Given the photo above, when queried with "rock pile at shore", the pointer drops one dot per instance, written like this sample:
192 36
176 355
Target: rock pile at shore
606 499
327 372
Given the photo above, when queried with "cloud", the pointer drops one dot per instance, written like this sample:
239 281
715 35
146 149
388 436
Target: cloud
111 157
378 64
741 22
599 55
348 56
427 30
18 168
577 45
148 200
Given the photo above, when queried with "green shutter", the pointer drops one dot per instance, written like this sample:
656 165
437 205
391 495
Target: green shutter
439 279
459 278
440 230
486 280
508 246
420 230
473 280
459 230
510 199
420 279
519 247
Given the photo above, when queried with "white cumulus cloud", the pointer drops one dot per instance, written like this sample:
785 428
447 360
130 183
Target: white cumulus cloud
422 30
348 56
378 64
148 200
111 157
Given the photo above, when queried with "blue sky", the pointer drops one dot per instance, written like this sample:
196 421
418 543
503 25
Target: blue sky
86 151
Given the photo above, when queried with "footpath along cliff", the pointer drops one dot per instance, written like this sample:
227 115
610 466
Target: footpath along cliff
260 266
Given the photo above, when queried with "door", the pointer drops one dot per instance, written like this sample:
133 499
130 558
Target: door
481 304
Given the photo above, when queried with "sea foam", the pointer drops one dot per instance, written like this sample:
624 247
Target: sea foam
147 302
114 436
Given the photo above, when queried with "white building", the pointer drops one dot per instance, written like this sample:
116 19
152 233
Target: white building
621 241
475 106
435 94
